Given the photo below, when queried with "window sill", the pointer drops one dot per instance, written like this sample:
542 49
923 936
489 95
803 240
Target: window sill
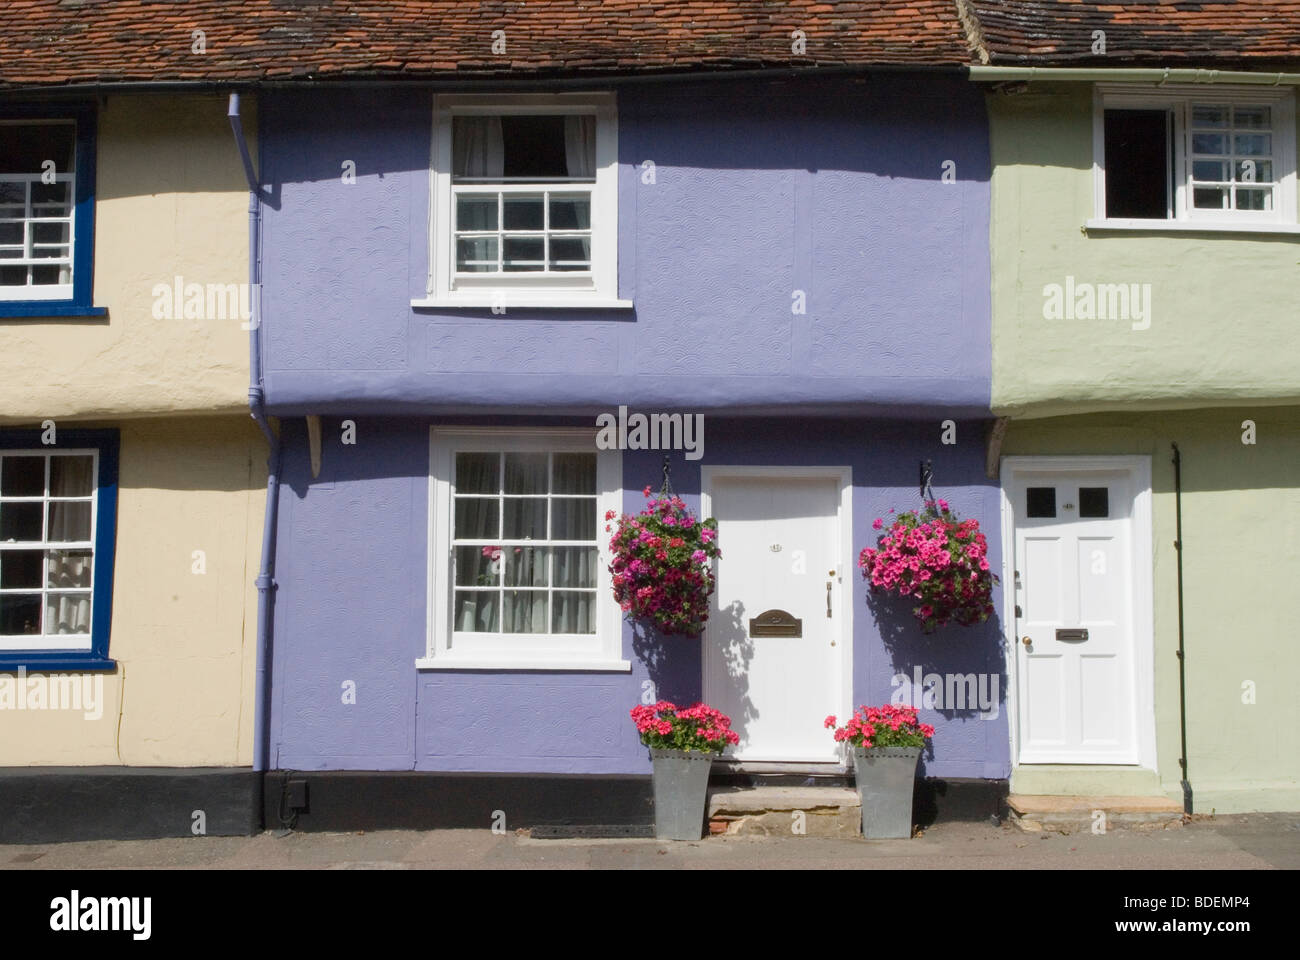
484 663
525 301
1186 226
48 308
11 661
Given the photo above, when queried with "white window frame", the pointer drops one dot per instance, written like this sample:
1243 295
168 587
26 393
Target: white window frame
599 289
455 650
1178 99
42 642
51 291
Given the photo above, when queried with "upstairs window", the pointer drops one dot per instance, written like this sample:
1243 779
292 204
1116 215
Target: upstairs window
37 187
524 202
1202 159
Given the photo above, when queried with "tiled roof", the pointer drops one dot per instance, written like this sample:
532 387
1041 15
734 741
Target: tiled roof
1156 32
84 41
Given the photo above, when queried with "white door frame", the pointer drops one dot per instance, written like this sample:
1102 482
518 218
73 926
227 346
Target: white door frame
1138 468
847 567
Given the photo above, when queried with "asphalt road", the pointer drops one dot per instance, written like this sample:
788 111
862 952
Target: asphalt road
1243 842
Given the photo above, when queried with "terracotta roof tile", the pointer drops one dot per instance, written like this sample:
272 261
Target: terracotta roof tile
84 41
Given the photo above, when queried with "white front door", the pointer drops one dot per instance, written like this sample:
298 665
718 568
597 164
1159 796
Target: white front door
1076 589
782 550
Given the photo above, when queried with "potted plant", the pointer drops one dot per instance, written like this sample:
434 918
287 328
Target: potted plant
662 564
937 559
885 743
683 743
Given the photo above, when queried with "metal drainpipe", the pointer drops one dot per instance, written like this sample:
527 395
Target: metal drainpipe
1182 660
266 574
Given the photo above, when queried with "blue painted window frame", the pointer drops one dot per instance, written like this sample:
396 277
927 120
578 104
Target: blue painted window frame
83 237
107 442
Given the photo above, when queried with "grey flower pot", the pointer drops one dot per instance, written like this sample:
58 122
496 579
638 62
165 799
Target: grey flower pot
681 784
885 777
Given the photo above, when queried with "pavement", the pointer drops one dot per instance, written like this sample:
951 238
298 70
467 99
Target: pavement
1241 842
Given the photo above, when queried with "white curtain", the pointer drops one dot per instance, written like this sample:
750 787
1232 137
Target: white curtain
477 147
69 569
580 145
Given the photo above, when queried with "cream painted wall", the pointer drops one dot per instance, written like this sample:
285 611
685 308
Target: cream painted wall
1241 535
1226 307
182 694
171 200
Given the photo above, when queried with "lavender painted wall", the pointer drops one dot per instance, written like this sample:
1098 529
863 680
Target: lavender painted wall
828 186
351 606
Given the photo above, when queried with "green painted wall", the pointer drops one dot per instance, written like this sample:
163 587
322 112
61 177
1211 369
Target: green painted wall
1241 533
1225 307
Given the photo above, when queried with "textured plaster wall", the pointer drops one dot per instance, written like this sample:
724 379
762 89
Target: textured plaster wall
352 605
184 642
832 188
1225 306
1241 535
171 200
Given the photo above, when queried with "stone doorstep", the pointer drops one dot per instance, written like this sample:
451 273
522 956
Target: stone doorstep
770 811
1074 814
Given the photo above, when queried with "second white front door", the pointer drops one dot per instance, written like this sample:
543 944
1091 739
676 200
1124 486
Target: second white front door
781 540
1077 588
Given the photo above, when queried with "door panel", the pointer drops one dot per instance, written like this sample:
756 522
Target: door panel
779 538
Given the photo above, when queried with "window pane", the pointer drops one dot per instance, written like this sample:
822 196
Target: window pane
28 145
21 522
51 233
478 611
22 477
1210 198
573 519
71 476
51 199
575 473
570 213
13 196
20 568
1253 144
524 213
1252 118
1137 163
1259 198
476 213
1209 170
49 276
575 566
67 613
574 612
525 519
1209 143
478 566
526 566
571 253
524 611
524 254
1205 116
1094 502
13 276
20 614
68 568
1254 171
526 473
11 233
477 518
69 521
477 473
534 146
1040 502
476 254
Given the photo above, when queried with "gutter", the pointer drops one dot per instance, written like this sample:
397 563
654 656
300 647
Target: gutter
256 403
1159 75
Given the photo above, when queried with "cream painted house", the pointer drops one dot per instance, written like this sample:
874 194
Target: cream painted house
132 479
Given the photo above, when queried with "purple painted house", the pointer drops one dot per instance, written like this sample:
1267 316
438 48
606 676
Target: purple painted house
786 276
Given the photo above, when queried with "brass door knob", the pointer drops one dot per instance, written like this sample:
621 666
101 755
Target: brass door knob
1026 641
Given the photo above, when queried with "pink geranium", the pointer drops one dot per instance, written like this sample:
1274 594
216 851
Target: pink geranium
931 556
887 726
666 726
